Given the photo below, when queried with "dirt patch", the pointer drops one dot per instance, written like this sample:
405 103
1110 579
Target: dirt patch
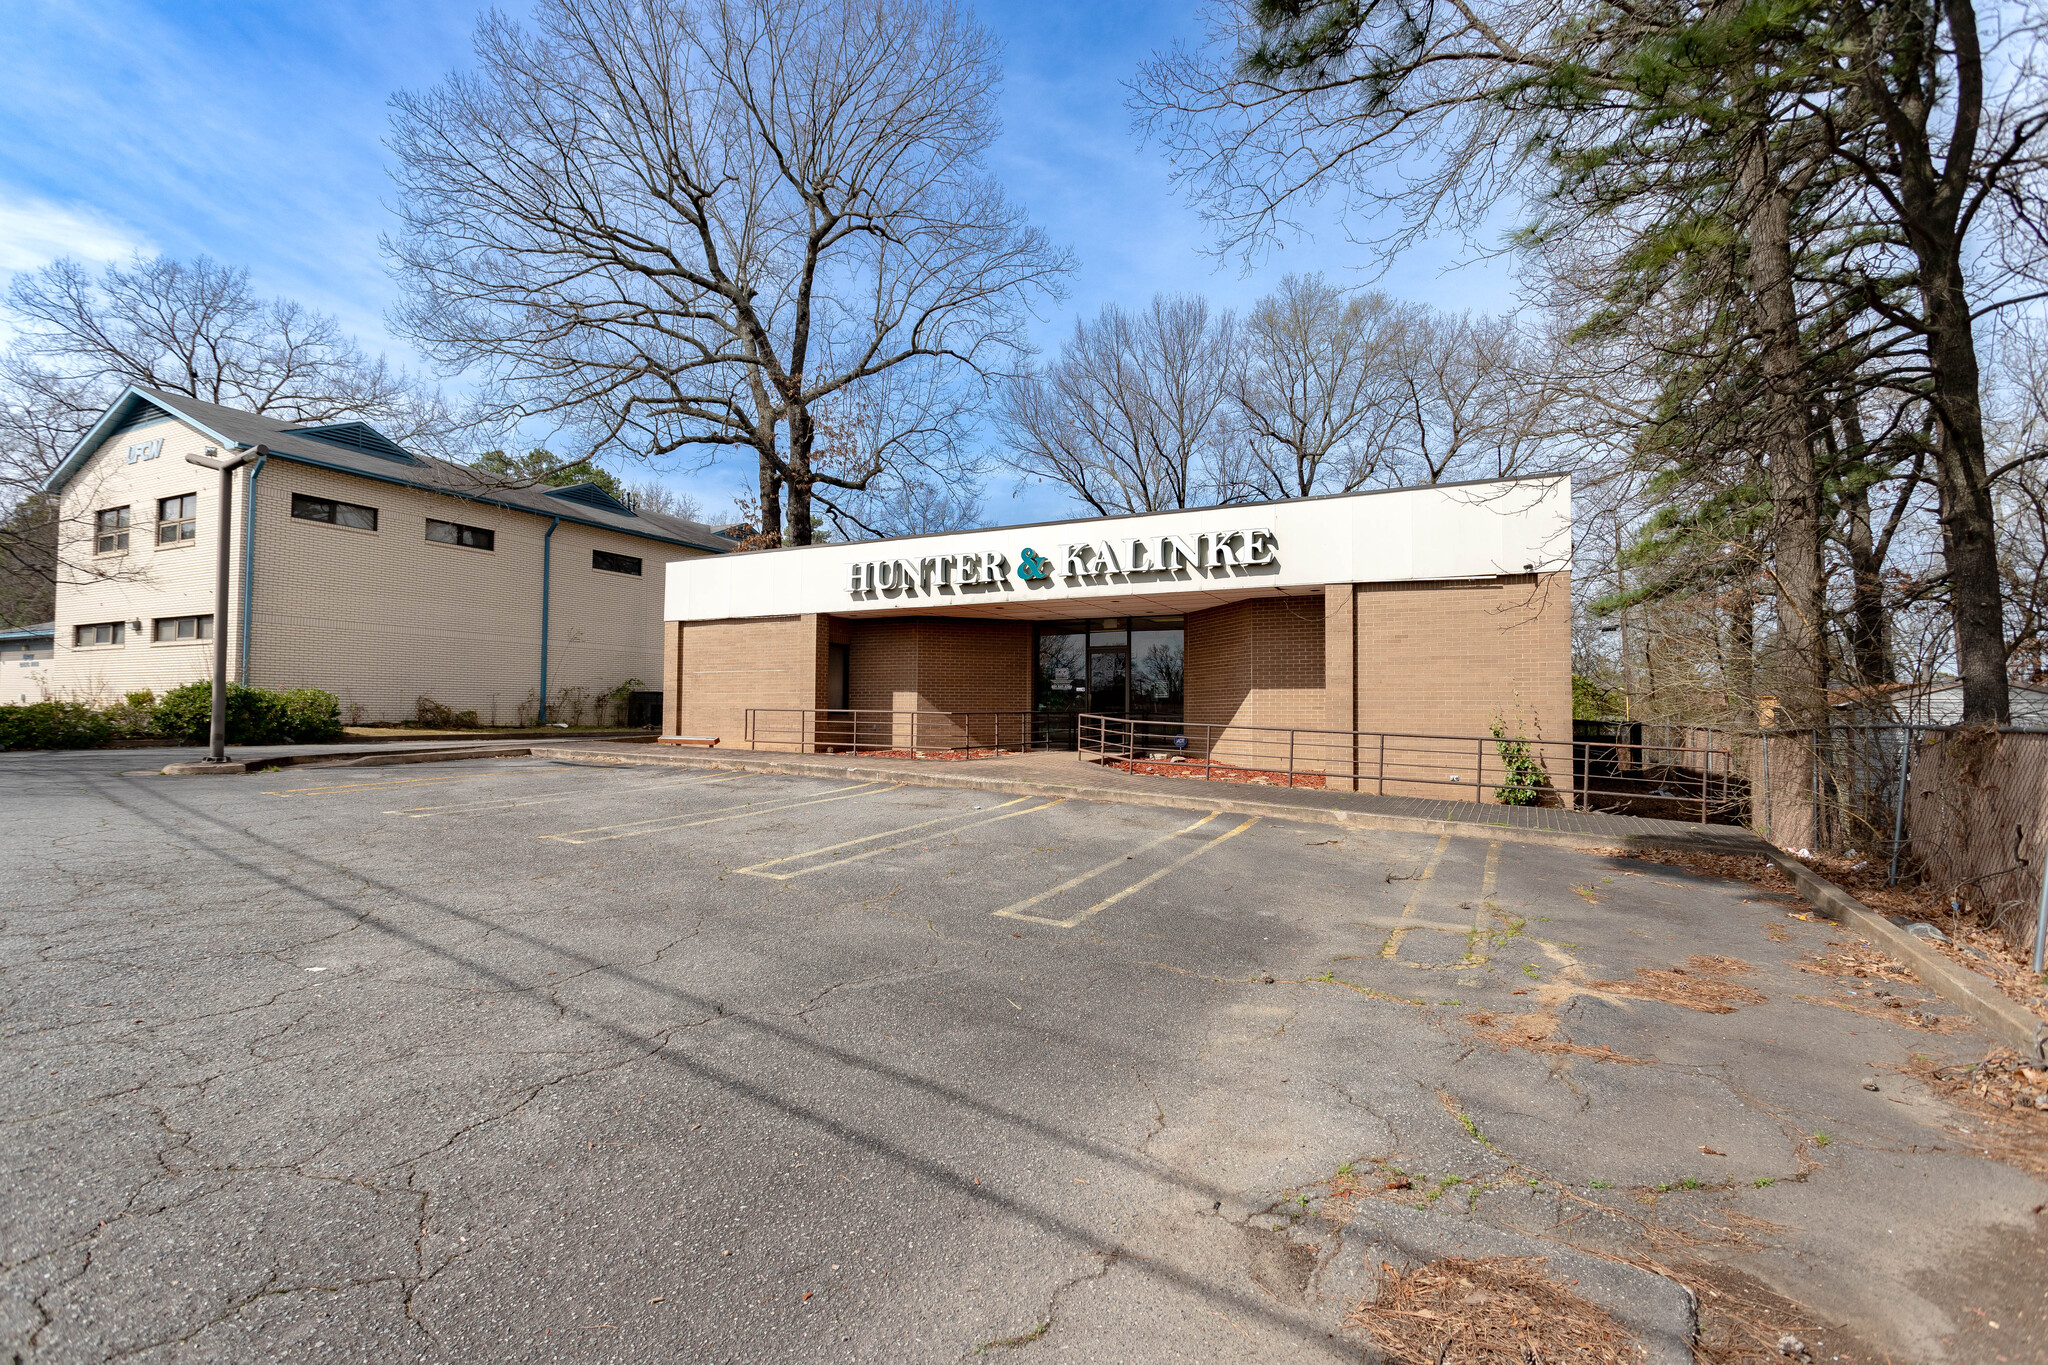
1743 1320
2006 1099
1860 961
1975 944
1701 984
1537 1031
1256 777
1500 1310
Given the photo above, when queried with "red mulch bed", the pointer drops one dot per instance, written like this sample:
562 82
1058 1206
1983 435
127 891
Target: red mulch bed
1258 777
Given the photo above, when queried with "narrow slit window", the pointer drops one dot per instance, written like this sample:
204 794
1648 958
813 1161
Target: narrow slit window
334 513
611 563
454 533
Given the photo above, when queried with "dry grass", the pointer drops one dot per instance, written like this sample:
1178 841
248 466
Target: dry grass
1858 960
1977 945
1488 1311
2002 1095
1701 984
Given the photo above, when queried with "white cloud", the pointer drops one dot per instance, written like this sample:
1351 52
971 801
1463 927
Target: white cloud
34 232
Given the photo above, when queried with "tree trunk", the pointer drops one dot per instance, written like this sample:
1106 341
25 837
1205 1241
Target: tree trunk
771 504
1969 531
1801 656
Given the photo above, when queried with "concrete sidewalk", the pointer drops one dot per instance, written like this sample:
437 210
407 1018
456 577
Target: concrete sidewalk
1064 774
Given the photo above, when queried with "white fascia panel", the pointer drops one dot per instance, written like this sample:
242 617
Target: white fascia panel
1460 531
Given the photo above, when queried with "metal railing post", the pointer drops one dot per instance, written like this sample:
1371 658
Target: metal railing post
1383 766
1899 817
1290 758
1479 772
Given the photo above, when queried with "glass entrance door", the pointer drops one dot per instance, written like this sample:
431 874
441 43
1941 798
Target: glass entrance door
1109 666
1109 679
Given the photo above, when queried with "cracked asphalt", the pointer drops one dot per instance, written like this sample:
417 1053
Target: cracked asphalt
517 1060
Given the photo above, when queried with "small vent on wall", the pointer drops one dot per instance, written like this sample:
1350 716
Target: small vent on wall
140 415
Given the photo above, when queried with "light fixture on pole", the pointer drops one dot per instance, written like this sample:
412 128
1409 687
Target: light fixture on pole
227 466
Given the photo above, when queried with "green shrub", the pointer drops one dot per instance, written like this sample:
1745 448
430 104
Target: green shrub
1524 773
311 716
53 725
304 715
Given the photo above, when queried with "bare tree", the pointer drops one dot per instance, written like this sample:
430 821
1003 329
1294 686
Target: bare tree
1135 415
1318 387
659 498
196 328
688 223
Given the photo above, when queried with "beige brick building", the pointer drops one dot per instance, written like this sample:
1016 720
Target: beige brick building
1269 636
375 573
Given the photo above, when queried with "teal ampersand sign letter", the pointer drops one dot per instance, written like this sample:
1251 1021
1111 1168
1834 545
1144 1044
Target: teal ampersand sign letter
1032 565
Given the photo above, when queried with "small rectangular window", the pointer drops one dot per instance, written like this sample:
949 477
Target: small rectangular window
177 518
110 531
171 629
454 533
611 563
334 513
104 633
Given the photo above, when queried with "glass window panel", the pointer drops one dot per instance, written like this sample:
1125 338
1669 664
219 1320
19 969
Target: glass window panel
1158 674
362 518
1108 675
1062 668
446 532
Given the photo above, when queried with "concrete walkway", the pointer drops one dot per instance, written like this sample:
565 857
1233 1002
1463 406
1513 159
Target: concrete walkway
1064 774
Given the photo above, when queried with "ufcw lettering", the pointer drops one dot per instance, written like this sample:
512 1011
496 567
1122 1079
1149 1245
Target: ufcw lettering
1212 555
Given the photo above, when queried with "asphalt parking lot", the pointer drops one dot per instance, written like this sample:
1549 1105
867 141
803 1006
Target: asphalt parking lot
526 1061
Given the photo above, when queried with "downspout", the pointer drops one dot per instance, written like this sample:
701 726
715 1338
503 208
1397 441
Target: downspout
249 564
547 566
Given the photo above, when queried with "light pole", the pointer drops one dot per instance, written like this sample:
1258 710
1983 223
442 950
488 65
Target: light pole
227 467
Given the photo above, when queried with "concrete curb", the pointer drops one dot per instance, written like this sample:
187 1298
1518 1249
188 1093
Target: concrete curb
2002 1016
941 774
345 758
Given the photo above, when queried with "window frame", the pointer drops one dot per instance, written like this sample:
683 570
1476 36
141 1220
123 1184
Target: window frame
188 524
120 533
202 629
462 532
117 632
639 569
335 505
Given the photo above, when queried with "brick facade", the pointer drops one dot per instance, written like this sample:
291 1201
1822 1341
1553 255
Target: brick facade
1443 658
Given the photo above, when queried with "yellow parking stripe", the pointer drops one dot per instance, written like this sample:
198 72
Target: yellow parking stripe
597 834
1017 911
1392 947
756 869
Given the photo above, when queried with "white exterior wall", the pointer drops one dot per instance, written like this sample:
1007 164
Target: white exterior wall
1465 531
24 671
378 618
143 583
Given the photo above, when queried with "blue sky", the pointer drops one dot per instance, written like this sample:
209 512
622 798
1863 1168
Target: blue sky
253 133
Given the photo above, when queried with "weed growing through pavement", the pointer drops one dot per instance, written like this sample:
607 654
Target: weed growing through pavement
1821 1139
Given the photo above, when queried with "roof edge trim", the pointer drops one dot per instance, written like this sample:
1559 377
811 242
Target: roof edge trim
88 443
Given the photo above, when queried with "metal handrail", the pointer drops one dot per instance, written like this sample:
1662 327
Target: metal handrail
857 730
1601 773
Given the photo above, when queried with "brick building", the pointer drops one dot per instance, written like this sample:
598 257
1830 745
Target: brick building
359 567
1435 611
